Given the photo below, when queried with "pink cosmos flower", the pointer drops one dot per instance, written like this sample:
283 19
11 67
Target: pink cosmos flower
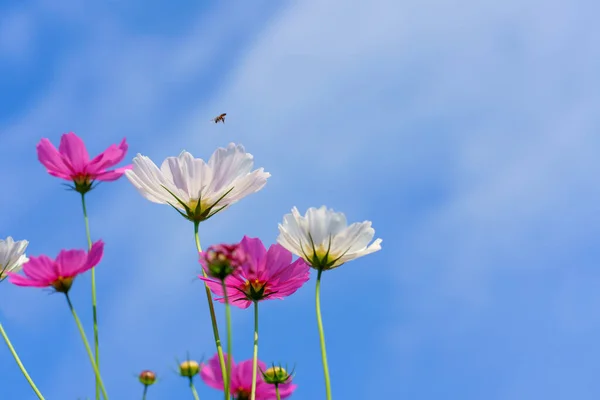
265 275
72 162
43 271
241 380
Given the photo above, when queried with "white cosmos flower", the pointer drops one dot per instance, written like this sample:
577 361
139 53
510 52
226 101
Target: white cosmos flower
323 238
12 256
198 189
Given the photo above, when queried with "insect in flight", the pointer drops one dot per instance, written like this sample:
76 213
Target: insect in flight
220 118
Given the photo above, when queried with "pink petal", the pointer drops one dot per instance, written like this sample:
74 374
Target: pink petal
112 175
52 160
212 377
73 150
236 297
286 390
278 258
41 269
70 261
93 257
108 158
20 280
256 253
211 373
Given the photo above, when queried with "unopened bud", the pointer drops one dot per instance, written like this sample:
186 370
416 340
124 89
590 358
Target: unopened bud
276 375
189 368
147 377
222 260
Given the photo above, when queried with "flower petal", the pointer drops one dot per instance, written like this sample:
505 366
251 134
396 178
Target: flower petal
112 175
211 373
110 157
150 182
50 158
256 254
74 152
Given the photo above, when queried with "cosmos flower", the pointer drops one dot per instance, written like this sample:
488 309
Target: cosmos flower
241 380
323 238
265 275
198 190
43 271
12 256
72 162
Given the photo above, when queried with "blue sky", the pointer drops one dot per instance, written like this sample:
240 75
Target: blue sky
466 131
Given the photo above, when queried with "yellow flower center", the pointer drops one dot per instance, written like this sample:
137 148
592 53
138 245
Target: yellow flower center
63 284
256 290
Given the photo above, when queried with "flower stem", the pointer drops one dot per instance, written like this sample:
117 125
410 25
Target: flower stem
211 307
145 392
277 392
87 346
322 335
94 310
193 388
228 317
255 356
19 363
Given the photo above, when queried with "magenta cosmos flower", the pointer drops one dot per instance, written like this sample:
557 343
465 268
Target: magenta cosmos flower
264 275
241 380
43 271
72 162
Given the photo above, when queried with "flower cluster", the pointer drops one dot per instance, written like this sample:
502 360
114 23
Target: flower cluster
242 274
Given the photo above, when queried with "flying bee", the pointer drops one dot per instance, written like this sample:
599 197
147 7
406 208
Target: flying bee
220 118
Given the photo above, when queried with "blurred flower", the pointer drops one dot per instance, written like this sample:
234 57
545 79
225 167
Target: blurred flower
198 190
12 256
241 380
42 271
265 275
72 162
323 238
277 375
220 261
147 378
189 368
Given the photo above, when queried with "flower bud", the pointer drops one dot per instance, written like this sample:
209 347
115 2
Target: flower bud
147 377
189 368
222 260
276 375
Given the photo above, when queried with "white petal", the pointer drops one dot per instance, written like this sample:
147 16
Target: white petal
244 186
329 231
324 224
149 180
12 255
191 179
375 246
228 165
355 237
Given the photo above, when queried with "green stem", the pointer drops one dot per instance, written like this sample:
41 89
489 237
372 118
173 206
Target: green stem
277 392
322 335
145 392
211 307
87 346
94 309
19 363
228 317
255 356
193 388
